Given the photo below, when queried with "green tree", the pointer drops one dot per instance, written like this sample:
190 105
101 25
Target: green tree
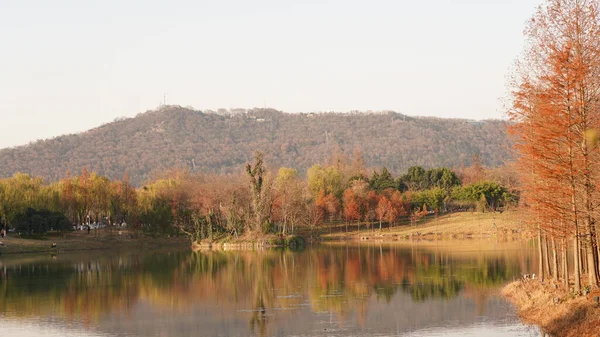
383 181
33 221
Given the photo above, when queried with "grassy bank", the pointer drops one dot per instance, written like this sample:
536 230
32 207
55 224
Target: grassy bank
95 240
555 310
462 225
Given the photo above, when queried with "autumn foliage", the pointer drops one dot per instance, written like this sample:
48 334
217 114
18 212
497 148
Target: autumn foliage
556 110
259 201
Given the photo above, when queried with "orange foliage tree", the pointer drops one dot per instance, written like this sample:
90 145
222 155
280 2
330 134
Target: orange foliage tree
351 207
555 106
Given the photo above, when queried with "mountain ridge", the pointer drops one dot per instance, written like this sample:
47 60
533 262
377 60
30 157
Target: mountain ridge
222 142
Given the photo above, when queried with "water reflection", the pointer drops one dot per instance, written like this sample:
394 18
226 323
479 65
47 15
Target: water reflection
322 291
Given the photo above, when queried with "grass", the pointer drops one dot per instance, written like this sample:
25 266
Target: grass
462 225
572 316
81 240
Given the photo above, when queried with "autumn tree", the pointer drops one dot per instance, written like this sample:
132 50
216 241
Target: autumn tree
19 193
384 207
328 179
321 205
261 193
474 173
399 207
124 202
555 106
351 207
332 204
289 198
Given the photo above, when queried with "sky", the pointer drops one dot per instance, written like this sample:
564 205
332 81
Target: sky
68 66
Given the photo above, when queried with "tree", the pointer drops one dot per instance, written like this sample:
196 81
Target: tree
415 179
399 206
475 172
332 204
384 207
83 196
32 221
555 104
19 193
328 179
289 198
67 195
100 196
351 206
125 200
370 204
261 193
443 178
435 197
380 182
321 205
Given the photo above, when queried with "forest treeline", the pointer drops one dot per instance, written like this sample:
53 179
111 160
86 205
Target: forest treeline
257 202
223 141
556 109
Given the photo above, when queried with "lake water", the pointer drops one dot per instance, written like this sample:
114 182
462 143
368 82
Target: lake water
433 289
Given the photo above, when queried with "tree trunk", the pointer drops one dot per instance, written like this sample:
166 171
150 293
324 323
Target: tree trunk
565 263
547 271
598 249
540 254
576 260
554 260
210 228
583 262
592 255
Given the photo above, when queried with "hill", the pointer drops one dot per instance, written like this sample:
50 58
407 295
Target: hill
222 142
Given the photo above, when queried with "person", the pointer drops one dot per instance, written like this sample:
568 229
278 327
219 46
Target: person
3 232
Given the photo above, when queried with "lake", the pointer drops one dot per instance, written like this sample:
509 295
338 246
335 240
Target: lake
426 289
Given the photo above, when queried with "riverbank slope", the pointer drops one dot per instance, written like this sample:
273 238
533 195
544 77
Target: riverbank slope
556 311
460 225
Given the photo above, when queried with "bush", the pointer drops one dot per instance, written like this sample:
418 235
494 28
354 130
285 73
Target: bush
33 221
294 241
484 195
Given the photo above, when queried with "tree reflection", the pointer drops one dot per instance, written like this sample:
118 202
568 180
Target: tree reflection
262 286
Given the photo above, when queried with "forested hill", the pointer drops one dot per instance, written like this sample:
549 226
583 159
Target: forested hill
178 137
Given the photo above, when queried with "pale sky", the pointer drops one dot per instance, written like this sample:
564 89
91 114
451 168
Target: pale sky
68 66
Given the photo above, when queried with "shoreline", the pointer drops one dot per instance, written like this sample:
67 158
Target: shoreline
82 242
452 227
554 309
